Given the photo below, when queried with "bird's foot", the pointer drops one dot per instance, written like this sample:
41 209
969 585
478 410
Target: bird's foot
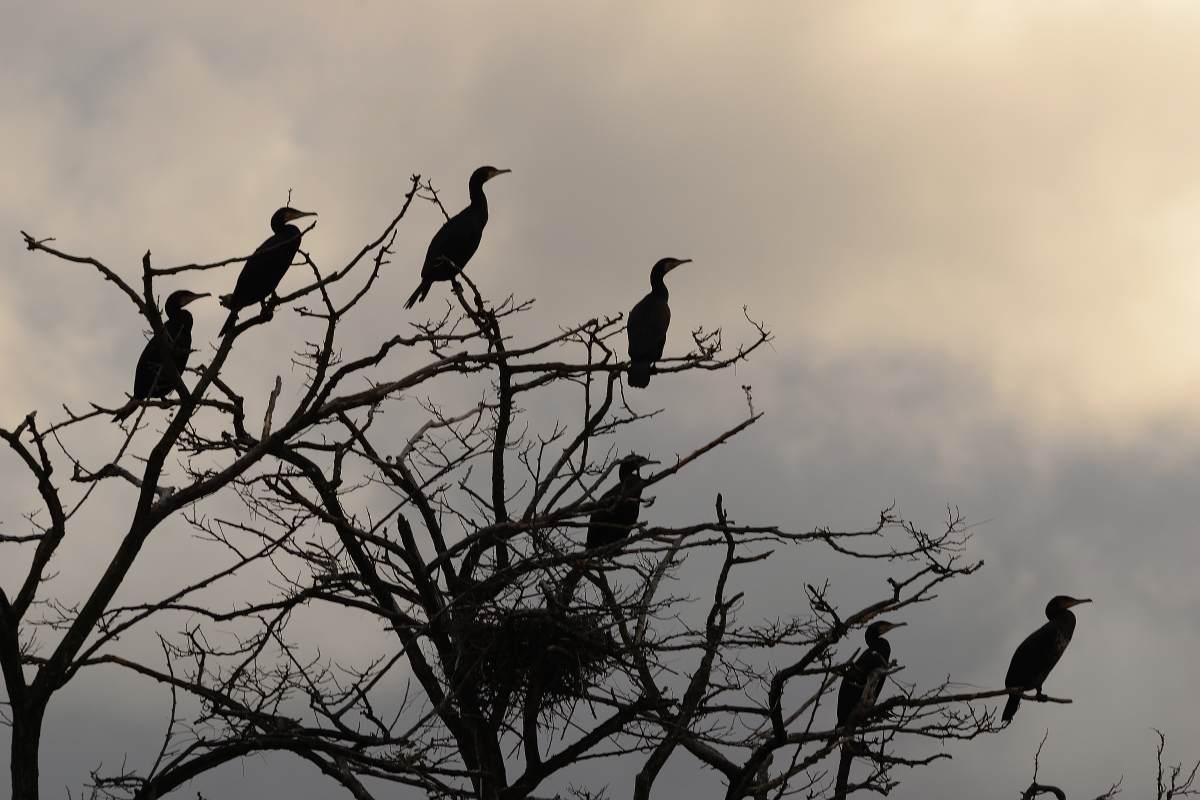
1041 698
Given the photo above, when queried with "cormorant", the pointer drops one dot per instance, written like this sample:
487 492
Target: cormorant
878 654
617 513
619 506
265 268
456 241
1038 654
150 379
648 322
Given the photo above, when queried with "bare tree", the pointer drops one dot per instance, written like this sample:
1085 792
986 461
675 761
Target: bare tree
1172 780
490 666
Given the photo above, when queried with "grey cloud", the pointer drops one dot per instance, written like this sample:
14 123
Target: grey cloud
971 228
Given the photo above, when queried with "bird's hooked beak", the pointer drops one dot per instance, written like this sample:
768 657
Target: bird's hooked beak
192 297
1078 602
676 262
294 214
893 625
496 172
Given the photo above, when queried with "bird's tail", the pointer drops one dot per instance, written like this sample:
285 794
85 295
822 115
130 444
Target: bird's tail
639 374
122 413
229 323
419 294
1010 707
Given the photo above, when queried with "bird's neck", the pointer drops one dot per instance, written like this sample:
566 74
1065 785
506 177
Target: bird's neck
478 200
1065 621
177 320
879 645
658 287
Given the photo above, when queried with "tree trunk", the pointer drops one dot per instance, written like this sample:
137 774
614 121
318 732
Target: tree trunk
843 775
493 775
26 741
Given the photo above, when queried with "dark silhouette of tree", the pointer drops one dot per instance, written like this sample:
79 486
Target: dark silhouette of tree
1173 780
480 678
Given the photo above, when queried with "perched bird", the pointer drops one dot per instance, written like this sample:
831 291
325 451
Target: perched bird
151 379
878 654
456 241
619 506
265 268
617 513
648 323
1040 651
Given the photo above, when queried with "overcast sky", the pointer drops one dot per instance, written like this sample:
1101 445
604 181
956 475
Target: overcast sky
972 227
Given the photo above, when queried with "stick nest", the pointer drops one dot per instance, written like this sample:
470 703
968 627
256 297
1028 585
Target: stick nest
551 656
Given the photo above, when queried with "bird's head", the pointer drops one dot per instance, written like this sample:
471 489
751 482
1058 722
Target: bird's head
485 174
181 298
882 626
1062 603
664 266
286 214
669 264
631 463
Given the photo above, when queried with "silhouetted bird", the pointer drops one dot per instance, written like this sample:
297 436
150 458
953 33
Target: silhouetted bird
456 241
151 379
617 513
619 506
1038 654
878 654
265 268
648 323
